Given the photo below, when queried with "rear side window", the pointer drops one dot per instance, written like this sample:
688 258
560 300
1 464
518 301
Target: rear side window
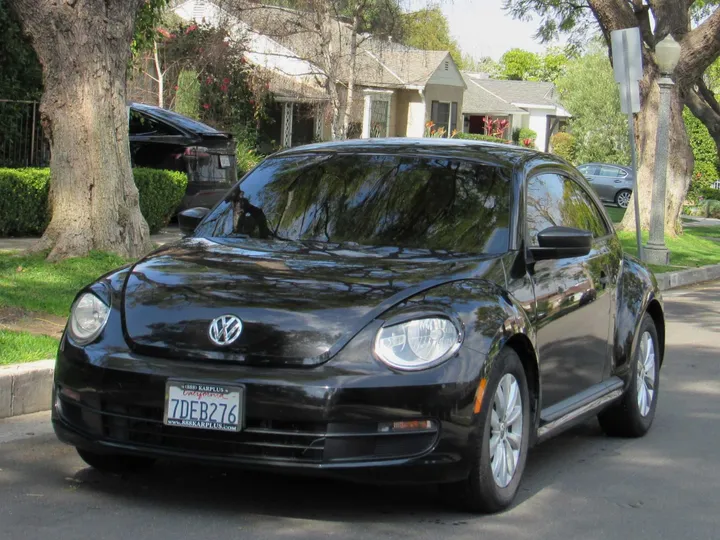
611 172
142 124
557 201
406 202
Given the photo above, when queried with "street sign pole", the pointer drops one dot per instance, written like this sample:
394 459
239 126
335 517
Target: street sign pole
627 66
633 154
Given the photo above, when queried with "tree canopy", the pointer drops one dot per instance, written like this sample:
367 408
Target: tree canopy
521 65
428 29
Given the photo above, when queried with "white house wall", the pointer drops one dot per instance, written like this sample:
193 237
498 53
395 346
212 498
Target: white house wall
538 123
447 74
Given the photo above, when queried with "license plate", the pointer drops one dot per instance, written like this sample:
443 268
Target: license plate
204 406
224 161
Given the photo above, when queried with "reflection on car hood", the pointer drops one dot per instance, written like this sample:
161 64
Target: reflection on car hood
298 305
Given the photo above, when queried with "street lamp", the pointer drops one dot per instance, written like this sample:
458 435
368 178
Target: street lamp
667 54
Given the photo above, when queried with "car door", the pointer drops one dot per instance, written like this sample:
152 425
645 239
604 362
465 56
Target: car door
592 173
608 181
573 295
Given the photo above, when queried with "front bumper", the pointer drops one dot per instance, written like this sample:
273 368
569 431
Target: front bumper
322 420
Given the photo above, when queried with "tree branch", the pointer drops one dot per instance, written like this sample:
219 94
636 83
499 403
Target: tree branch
705 113
700 48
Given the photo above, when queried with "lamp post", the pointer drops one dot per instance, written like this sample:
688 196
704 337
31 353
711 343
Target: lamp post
667 54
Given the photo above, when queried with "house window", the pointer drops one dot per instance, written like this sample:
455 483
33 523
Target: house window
444 115
376 118
379 116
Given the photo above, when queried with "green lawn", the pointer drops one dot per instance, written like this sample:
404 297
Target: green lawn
695 247
32 283
17 347
616 213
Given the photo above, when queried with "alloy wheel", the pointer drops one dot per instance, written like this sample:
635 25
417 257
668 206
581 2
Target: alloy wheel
506 424
646 374
623 199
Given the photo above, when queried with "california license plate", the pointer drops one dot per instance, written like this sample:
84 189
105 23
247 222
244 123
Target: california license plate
224 161
204 406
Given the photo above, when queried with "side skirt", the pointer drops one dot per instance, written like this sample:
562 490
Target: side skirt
578 408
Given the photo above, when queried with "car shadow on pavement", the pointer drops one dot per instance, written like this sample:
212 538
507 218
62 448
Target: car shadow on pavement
220 489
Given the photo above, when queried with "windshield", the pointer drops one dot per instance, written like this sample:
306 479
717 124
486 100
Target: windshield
373 200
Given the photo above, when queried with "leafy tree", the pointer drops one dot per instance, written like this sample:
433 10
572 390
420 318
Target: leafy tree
520 65
693 24
21 75
481 65
428 29
589 92
707 167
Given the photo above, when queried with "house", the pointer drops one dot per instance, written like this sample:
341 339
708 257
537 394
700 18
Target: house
525 104
398 89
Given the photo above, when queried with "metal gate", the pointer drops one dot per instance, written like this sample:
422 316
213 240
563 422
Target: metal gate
21 138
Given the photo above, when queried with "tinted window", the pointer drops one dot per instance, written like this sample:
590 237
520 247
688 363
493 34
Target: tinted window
142 124
176 119
611 172
553 200
371 200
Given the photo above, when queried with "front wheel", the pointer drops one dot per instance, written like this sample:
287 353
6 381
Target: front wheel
501 443
634 415
622 198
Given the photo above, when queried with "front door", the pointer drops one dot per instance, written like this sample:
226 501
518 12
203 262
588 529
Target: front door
573 296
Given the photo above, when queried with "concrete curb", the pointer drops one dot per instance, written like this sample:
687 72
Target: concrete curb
682 278
26 388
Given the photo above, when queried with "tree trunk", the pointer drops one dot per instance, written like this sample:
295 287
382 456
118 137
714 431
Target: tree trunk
351 78
84 48
680 162
160 76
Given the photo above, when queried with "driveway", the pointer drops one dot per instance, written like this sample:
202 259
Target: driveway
581 485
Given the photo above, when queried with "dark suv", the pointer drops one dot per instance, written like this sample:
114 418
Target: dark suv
163 139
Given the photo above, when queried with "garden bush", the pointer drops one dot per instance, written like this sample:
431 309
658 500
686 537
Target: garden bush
480 137
713 209
160 195
24 198
563 145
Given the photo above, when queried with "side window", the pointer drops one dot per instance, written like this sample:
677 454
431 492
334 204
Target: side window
141 124
610 172
556 201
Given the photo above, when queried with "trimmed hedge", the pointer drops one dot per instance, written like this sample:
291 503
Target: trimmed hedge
563 145
24 198
479 137
160 195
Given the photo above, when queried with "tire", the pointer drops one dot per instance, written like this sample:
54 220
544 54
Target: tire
630 418
481 492
115 463
622 198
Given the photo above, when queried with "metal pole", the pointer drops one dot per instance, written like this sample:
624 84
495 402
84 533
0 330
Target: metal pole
656 250
633 155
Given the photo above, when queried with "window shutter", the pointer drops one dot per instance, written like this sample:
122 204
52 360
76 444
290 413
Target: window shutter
453 117
434 111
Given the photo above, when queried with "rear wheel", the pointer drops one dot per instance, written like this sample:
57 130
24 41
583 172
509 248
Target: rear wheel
115 463
634 415
622 198
501 443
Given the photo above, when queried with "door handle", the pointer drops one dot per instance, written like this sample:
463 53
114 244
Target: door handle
618 181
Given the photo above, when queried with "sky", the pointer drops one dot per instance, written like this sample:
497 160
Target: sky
482 28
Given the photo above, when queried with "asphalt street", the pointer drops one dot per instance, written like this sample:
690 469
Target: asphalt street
581 485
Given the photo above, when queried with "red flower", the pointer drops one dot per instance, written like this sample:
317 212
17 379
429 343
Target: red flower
164 32
226 81
242 60
252 102
176 87
208 80
223 87
191 28
206 106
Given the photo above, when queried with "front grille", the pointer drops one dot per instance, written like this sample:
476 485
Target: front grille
261 439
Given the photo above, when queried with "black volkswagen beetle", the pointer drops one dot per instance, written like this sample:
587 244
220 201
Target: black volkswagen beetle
385 310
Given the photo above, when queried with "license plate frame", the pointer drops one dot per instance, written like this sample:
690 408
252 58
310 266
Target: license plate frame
205 392
224 161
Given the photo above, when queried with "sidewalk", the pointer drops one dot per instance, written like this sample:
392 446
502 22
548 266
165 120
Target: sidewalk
169 234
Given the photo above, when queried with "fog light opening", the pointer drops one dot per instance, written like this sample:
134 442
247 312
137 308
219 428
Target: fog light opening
406 426
70 394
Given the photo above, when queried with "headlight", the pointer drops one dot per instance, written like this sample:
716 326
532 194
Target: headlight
417 344
88 318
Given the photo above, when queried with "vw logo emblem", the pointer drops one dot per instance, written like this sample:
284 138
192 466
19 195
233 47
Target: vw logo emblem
225 330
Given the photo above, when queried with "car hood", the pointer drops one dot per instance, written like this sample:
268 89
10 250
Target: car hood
298 305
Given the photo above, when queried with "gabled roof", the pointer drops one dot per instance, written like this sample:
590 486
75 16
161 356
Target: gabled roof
493 96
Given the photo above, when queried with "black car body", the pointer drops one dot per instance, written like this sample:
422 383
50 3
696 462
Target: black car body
329 255
163 139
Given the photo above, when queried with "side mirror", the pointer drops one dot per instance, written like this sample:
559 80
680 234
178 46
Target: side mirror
189 219
562 243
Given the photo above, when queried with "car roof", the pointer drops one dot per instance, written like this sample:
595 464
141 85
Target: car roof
175 119
503 154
